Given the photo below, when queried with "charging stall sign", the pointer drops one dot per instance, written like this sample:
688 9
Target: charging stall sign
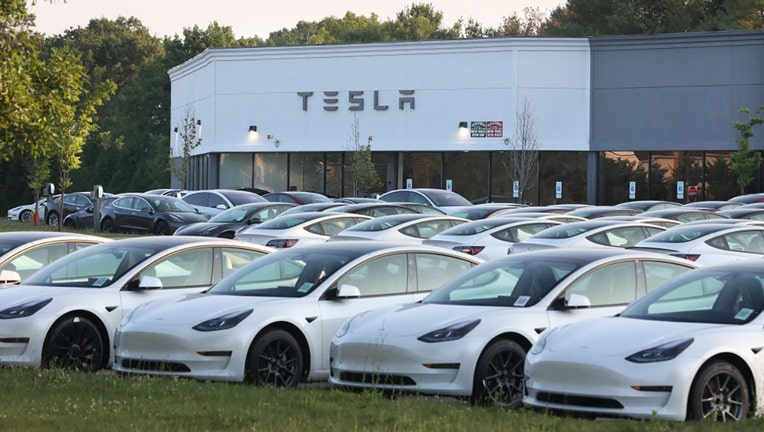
632 190
680 190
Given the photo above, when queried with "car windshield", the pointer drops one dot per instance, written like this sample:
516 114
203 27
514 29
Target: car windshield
289 221
520 282
567 231
8 244
447 198
704 296
170 204
234 214
289 273
472 228
681 234
95 266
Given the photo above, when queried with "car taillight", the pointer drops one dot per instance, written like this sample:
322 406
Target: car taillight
471 250
281 243
691 257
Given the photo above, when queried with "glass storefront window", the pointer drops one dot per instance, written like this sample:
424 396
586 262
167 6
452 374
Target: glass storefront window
270 171
467 172
235 170
306 172
424 169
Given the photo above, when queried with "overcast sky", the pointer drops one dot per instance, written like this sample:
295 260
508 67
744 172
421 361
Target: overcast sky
258 18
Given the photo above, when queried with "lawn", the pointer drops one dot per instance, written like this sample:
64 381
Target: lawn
56 400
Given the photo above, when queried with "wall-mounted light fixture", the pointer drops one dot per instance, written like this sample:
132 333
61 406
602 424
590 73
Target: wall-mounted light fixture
463 125
198 122
506 141
199 128
175 130
252 128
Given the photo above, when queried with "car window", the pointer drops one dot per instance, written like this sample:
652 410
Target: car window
619 237
387 275
184 269
656 273
609 285
519 233
331 227
746 241
197 199
32 260
433 270
234 259
216 201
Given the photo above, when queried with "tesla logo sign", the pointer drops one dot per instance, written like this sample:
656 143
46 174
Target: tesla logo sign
356 100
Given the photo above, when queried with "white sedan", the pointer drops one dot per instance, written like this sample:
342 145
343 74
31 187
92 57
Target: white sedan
709 243
595 233
402 228
299 229
271 322
66 313
469 337
691 349
489 238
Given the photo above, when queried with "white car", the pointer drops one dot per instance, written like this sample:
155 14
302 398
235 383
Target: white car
489 238
66 313
691 349
403 228
299 229
709 243
595 233
24 213
25 252
271 322
469 337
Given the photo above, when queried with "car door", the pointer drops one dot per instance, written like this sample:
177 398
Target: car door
184 272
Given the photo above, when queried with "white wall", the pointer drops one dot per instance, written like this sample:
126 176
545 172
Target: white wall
453 81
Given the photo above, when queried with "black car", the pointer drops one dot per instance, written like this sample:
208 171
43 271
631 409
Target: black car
84 218
226 224
73 202
157 214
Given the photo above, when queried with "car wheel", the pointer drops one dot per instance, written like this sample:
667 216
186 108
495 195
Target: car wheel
275 360
161 228
70 224
53 219
719 392
26 216
107 225
499 375
75 343
227 234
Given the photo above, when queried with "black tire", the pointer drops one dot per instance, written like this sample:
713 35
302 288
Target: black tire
25 216
719 392
275 360
53 219
75 343
499 375
70 224
107 225
161 228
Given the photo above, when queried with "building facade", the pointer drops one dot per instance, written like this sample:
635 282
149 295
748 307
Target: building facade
609 118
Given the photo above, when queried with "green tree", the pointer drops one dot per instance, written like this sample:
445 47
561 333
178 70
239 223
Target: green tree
420 22
578 18
364 174
187 140
718 180
746 161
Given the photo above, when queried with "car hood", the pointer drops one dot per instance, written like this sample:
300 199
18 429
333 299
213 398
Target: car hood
414 319
617 336
191 309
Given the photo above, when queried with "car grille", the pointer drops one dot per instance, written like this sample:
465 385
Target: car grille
157 366
367 378
582 401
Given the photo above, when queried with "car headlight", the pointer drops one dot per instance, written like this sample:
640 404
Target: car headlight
663 352
24 309
450 333
223 322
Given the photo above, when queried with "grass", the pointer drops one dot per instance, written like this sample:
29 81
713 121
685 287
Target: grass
55 399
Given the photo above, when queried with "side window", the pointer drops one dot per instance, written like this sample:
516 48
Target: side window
433 270
216 201
197 199
399 196
332 227
81 245
182 270
658 272
234 259
614 284
419 199
383 276
33 260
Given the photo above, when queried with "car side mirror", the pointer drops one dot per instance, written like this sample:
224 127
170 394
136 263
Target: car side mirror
221 207
149 283
578 301
9 277
254 221
348 291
